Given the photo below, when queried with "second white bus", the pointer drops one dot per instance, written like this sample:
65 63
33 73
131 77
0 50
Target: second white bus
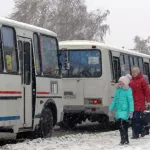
90 71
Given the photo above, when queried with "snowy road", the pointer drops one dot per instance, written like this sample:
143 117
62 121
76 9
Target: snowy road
84 128
95 141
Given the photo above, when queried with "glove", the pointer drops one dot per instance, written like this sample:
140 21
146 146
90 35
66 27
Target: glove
110 113
131 115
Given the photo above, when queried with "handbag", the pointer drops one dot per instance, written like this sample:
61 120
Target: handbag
146 116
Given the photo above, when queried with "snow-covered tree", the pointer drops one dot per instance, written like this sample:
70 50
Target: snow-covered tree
68 18
142 45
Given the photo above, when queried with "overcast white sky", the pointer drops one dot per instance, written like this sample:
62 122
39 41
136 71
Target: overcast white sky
127 18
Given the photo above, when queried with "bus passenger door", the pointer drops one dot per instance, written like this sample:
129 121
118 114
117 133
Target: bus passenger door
25 55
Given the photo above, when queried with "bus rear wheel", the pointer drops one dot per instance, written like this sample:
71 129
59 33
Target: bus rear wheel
46 124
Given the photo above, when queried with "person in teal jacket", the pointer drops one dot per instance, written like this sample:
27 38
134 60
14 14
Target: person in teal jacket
124 106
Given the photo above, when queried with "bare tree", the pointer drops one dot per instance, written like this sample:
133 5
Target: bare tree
68 18
142 45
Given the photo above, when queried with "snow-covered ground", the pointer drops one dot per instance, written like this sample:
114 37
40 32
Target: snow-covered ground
96 141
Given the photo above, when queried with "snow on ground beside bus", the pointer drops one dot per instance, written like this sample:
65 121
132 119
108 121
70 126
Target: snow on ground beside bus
98 141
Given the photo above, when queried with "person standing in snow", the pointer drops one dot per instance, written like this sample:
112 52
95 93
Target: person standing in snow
141 94
124 107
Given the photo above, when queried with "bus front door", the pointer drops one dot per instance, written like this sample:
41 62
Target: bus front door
25 57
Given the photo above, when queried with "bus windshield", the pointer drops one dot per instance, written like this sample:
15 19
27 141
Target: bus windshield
83 63
49 56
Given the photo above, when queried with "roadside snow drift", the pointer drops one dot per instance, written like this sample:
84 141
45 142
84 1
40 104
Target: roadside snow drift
98 141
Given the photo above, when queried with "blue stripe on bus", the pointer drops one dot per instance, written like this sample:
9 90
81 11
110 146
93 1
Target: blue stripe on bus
9 118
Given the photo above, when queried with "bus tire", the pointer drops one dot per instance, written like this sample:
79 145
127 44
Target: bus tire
46 123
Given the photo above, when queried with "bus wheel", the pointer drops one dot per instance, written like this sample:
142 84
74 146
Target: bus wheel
46 124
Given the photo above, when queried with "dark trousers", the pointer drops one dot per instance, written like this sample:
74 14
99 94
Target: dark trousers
138 123
123 126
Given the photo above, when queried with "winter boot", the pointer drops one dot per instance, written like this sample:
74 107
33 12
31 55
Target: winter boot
126 138
122 137
135 136
143 133
146 130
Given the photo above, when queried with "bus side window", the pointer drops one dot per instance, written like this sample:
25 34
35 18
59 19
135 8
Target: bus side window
20 46
9 49
37 53
75 63
131 62
125 65
141 64
111 65
1 57
62 61
136 64
116 69
49 49
146 70
27 63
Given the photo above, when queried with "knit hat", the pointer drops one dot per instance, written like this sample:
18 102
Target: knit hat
125 79
136 69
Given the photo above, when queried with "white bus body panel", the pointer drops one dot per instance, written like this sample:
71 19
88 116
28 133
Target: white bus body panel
43 86
10 109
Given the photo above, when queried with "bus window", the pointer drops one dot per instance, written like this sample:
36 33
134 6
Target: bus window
125 66
122 60
131 62
136 64
146 70
85 63
27 63
75 64
49 56
111 65
20 46
37 53
1 59
116 69
141 64
9 49
62 61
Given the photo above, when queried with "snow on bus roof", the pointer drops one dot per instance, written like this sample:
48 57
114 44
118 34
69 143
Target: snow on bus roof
26 26
94 43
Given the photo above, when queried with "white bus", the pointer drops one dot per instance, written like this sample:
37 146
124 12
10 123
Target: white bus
30 83
90 71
